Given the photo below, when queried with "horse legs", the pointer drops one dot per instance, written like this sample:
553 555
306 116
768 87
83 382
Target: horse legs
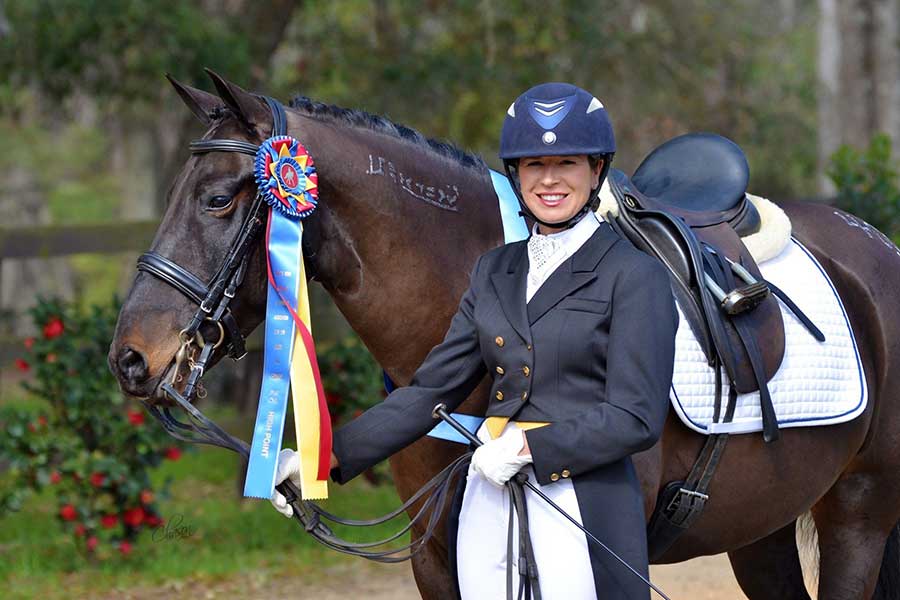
855 520
770 568
432 573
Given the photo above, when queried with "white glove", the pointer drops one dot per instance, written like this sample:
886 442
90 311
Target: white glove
498 460
288 467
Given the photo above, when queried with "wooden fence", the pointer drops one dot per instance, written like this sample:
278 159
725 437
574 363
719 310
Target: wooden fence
63 240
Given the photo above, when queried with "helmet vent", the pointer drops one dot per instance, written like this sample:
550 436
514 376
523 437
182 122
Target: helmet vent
594 105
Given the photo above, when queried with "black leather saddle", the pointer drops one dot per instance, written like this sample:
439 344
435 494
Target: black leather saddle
686 205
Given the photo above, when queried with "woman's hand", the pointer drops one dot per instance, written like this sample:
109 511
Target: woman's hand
498 460
288 468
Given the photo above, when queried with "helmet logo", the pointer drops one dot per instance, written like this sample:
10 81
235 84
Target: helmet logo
549 138
550 113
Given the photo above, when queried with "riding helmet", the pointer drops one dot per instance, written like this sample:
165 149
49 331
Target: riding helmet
556 119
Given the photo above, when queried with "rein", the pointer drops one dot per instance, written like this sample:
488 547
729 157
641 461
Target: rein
213 301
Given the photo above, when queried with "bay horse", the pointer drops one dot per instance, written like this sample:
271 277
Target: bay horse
400 223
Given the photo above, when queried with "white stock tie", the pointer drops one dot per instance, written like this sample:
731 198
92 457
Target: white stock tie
542 249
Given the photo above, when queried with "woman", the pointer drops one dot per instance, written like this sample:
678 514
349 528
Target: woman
576 328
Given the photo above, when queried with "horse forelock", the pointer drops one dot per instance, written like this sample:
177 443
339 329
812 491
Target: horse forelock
362 119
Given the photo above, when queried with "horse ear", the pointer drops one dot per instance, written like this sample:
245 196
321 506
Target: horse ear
201 103
246 106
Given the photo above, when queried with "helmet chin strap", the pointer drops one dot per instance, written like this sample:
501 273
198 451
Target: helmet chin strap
591 205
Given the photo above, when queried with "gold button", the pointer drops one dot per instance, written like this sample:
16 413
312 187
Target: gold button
554 476
498 395
528 346
565 473
524 395
499 341
500 370
526 370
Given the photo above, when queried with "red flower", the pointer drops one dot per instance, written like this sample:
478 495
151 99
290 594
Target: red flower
146 497
135 418
51 358
22 365
124 548
173 453
153 521
55 477
134 516
79 530
92 543
68 513
42 420
97 479
31 427
109 521
53 328
333 399
28 343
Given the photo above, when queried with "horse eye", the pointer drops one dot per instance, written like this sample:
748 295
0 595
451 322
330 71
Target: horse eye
219 202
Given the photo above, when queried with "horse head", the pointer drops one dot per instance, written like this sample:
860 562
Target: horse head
207 206
399 223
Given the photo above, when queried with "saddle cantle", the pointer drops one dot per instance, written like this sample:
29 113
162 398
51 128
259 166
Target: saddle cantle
702 178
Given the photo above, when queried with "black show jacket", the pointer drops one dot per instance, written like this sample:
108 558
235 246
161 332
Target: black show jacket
591 353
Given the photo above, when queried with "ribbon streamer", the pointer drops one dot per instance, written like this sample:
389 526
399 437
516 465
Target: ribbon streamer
286 177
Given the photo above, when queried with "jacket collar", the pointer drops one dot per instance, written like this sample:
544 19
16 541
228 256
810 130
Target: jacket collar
574 273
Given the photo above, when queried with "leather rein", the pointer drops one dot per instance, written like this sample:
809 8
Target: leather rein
213 308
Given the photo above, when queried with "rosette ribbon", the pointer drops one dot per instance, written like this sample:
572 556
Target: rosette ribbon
286 178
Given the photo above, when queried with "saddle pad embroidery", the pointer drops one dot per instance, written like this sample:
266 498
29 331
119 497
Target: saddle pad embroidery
817 383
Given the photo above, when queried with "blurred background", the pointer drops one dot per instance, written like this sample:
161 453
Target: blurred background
91 137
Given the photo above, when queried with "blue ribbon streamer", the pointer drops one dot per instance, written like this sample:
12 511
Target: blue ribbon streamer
284 255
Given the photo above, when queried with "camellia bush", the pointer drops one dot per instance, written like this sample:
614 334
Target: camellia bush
87 444
352 379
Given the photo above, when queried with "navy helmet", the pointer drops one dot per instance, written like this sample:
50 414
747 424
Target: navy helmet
556 119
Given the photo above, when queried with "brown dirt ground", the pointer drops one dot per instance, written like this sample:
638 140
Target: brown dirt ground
704 578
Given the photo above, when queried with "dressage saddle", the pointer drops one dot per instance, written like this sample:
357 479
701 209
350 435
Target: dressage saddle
687 206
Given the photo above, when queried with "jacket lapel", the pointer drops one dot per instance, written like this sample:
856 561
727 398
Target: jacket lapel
510 288
576 272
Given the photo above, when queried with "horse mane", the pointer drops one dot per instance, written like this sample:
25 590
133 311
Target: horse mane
360 118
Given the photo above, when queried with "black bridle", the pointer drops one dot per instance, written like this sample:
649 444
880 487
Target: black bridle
213 307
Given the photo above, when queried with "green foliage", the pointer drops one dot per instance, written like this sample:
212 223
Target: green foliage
224 539
113 49
94 452
352 379
868 184
662 68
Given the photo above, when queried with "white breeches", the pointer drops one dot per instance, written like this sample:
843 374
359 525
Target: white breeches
560 548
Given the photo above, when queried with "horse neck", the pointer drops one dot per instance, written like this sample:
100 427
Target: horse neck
397 232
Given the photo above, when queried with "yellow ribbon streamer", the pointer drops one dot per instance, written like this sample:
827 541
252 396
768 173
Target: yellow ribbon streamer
305 399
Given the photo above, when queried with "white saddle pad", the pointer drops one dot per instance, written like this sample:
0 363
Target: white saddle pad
817 383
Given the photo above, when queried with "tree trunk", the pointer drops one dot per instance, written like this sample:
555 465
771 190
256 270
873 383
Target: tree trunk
859 72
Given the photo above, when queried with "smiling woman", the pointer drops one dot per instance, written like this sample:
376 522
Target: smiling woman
556 188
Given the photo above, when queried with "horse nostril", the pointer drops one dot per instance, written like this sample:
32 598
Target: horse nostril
132 366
